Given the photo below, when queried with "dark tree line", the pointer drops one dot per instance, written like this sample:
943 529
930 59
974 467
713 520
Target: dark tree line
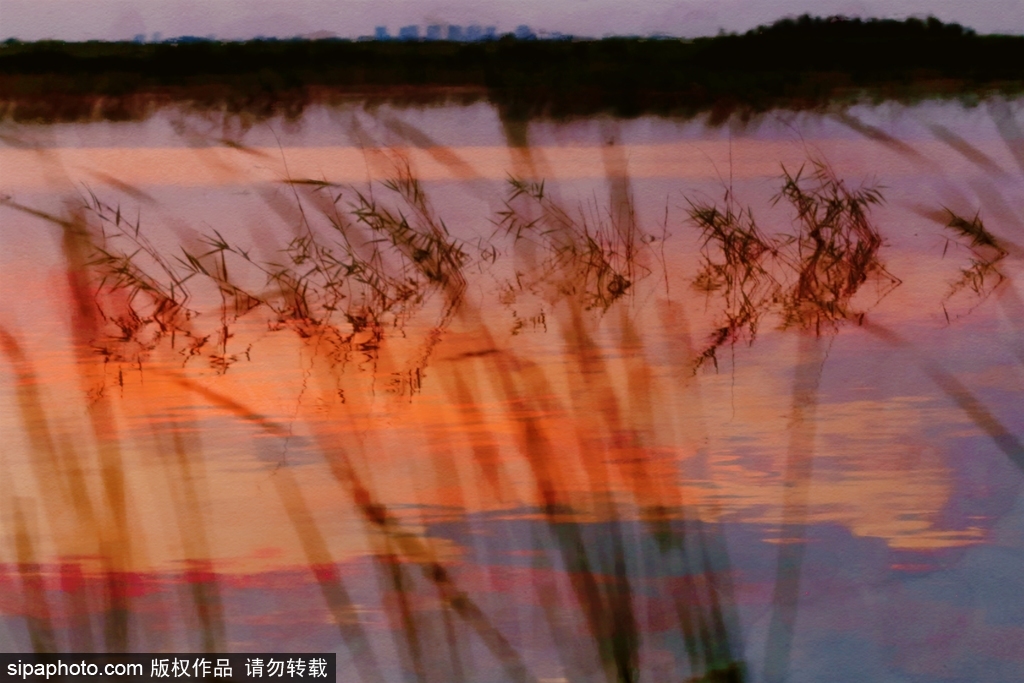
793 63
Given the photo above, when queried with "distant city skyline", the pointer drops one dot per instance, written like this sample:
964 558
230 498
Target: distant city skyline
432 19
431 32
441 31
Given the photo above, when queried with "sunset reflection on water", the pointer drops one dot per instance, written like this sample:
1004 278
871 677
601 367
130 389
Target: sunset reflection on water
508 461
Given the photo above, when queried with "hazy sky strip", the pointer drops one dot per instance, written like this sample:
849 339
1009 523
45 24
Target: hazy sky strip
235 19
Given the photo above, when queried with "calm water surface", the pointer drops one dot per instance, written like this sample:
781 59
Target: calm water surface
341 385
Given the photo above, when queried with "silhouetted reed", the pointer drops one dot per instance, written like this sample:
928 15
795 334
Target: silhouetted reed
736 258
581 254
836 248
983 275
365 260
808 277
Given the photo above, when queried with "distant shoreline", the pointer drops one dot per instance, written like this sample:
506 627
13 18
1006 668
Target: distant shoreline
805 63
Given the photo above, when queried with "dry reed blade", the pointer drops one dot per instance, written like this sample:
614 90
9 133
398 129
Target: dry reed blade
41 631
983 418
797 479
58 470
381 520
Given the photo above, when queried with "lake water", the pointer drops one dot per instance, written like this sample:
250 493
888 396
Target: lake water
362 383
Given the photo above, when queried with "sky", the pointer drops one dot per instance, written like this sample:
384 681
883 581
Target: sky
240 19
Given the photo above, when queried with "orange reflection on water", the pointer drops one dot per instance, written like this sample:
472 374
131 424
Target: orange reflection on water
536 419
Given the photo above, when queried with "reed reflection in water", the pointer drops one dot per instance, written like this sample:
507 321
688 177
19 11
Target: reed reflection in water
486 452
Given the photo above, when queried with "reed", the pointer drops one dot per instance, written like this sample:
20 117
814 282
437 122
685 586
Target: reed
807 276
582 253
983 275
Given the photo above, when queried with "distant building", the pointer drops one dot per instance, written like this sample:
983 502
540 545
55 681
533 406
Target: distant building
490 33
156 37
381 33
455 32
523 32
409 33
474 32
434 32
139 38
